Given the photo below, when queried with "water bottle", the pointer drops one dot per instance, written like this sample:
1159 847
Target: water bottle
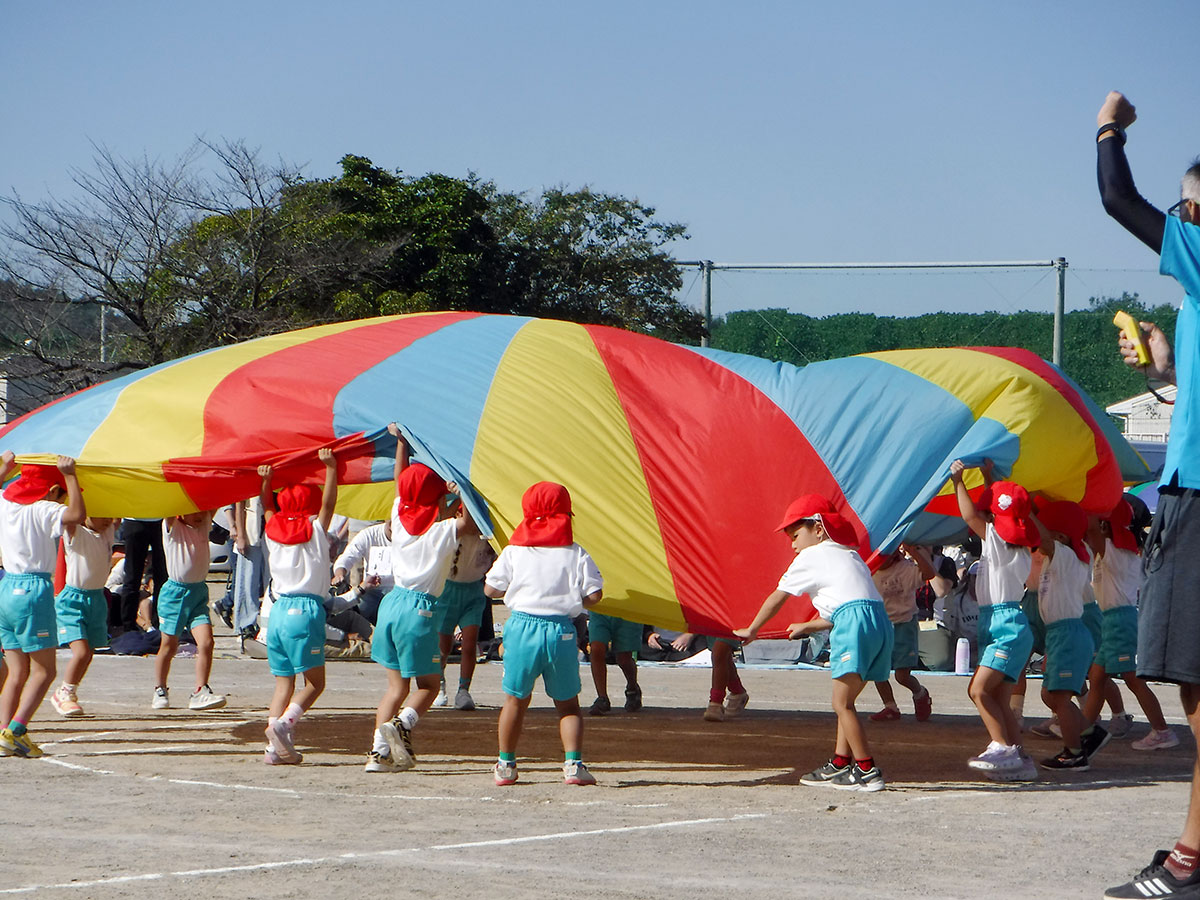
962 657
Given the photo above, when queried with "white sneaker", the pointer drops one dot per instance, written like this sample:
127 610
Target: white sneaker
1119 725
505 773
161 700
996 756
575 772
65 703
205 699
399 742
279 735
735 703
1157 740
376 762
463 699
442 698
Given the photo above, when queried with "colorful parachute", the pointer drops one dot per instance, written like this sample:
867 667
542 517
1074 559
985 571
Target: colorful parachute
679 460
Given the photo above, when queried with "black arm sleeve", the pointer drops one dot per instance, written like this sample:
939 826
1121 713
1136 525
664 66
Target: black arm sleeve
1121 199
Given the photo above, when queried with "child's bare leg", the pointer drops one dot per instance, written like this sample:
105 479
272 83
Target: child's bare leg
422 698
470 644
850 731
389 705
1112 696
886 695
597 651
17 663
285 686
1094 701
570 725
626 664
1147 700
983 691
1070 720
1008 716
167 648
204 653
722 666
512 718
904 678
77 665
41 673
445 644
314 685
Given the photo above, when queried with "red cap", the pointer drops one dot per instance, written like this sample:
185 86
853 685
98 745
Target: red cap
1068 519
1119 521
34 483
1010 514
292 524
547 523
420 490
814 506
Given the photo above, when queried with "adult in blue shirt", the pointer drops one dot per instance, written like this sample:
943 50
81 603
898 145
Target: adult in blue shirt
1169 627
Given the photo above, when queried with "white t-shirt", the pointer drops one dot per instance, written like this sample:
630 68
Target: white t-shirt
422 562
373 547
28 535
89 557
545 581
898 585
1116 577
473 558
831 574
186 550
300 568
1065 579
1003 568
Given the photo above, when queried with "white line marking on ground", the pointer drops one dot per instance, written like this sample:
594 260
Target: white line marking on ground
67 765
135 751
267 866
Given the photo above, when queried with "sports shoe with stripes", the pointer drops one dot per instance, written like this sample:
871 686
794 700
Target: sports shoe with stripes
505 773
1156 882
822 776
852 778
399 741
575 772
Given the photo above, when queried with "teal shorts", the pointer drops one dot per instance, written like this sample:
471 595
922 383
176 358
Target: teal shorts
861 641
460 605
1118 646
181 606
406 637
623 635
82 616
1093 621
1006 638
905 652
1029 606
1068 655
540 646
27 612
296 635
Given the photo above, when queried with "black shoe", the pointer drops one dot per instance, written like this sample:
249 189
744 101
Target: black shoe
600 706
824 775
226 616
1076 762
1095 738
633 699
1155 881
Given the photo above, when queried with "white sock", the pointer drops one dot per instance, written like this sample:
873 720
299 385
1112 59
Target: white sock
409 718
292 714
380 746
69 688
271 720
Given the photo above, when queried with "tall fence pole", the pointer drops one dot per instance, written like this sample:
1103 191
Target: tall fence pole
1060 303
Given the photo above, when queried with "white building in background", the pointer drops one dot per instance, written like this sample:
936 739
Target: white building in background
1146 423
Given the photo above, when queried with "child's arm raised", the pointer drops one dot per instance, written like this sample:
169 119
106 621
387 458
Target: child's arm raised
920 556
264 492
402 452
76 511
8 462
592 599
1046 536
329 493
966 506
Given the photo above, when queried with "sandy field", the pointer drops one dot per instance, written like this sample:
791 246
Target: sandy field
131 802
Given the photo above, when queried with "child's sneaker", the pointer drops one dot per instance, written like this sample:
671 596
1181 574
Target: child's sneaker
399 741
160 699
65 703
1026 770
204 698
377 762
442 699
923 704
1045 729
1094 740
18 745
714 713
575 772
600 706
633 699
1119 724
852 778
505 773
279 735
1075 762
735 703
1156 881
887 714
463 699
996 756
1157 740
271 758
823 775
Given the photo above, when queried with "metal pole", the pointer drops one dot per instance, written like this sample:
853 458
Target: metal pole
707 268
1060 302
103 332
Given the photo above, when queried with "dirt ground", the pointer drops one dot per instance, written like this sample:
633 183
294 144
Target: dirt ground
131 802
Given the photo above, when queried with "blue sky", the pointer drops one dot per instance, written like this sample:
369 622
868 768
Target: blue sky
869 131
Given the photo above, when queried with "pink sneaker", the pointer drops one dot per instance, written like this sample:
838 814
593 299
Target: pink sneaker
887 714
575 772
1157 740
